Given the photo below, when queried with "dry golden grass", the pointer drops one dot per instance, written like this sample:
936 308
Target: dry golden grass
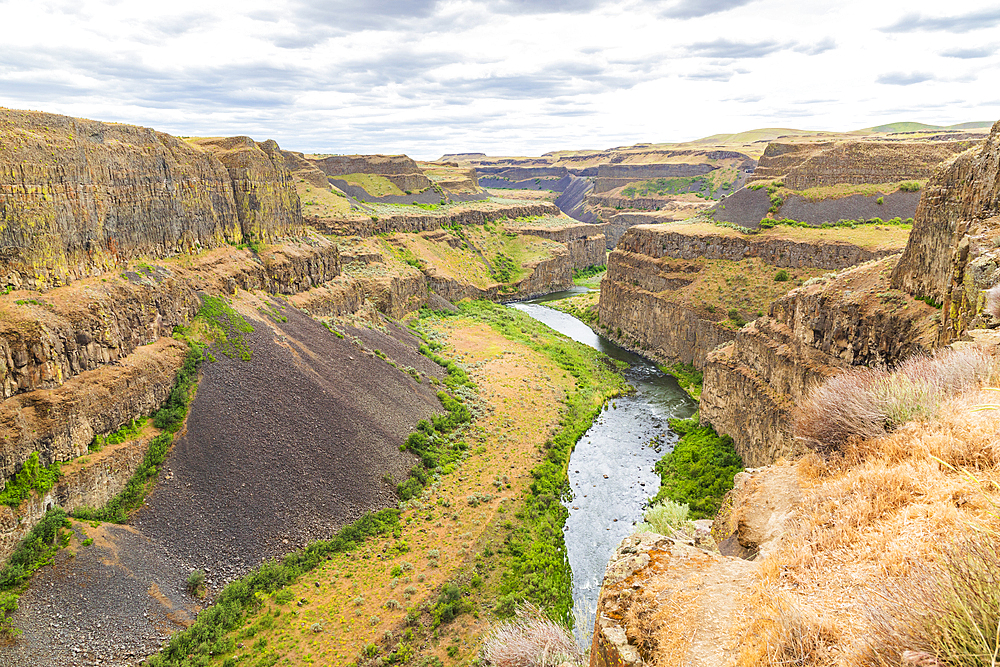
871 518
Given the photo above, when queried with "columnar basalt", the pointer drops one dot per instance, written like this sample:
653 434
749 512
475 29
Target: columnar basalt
80 197
953 255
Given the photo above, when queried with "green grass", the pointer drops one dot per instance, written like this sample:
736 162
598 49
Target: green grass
227 327
700 469
169 418
209 634
688 377
373 184
535 567
32 477
128 431
590 276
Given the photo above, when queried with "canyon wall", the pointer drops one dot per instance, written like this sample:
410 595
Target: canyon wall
80 197
585 242
854 318
401 170
807 165
953 255
421 223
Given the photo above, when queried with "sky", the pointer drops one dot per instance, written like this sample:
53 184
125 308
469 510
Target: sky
504 77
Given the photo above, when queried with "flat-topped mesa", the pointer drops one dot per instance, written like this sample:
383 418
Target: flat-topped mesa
952 256
806 165
80 197
401 170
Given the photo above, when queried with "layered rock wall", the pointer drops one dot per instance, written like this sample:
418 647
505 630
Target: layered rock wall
80 197
752 385
808 165
423 223
611 176
952 256
659 241
401 170
585 242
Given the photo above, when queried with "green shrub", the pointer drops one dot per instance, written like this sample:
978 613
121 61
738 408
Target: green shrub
700 469
31 477
910 186
665 517
34 551
781 276
880 201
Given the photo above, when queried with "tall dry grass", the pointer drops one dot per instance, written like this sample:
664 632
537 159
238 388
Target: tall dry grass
866 403
530 639
947 613
870 545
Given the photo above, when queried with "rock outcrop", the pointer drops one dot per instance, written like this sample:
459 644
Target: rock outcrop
81 197
661 596
807 165
953 257
585 242
752 385
637 305
420 223
401 170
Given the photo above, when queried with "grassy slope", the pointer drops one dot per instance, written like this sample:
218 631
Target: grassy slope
870 237
452 533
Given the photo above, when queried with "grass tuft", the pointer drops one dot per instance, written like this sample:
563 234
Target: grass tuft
866 403
530 639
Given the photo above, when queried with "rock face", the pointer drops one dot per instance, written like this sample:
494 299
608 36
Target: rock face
78 197
414 223
659 241
585 242
402 171
808 165
636 293
751 385
663 597
952 255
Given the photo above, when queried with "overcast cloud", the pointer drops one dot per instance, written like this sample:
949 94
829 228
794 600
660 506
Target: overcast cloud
427 77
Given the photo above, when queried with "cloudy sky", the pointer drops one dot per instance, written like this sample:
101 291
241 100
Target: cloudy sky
505 77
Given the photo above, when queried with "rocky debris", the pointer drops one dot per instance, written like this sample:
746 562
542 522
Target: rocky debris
323 416
80 197
763 504
109 604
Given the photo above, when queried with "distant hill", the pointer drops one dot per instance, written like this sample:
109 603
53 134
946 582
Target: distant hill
924 127
761 134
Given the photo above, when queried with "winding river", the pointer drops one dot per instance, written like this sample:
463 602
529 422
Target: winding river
611 469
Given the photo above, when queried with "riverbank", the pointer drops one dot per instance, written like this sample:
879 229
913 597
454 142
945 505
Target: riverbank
432 586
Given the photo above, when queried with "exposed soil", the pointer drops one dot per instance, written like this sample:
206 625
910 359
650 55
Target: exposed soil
744 207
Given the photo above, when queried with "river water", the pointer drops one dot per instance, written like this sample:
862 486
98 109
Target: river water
611 469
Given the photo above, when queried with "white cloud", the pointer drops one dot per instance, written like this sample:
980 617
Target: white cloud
516 77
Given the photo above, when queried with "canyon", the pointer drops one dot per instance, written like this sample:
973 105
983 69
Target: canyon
114 237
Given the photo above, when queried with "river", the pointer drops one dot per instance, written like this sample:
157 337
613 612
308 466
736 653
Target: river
611 469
